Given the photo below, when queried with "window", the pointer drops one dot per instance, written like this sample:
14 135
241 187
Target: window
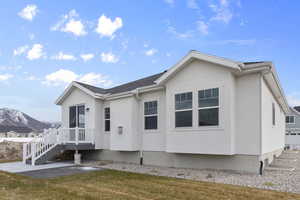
184 109
208 107
150 113
77 116
290 119
107 119
273 114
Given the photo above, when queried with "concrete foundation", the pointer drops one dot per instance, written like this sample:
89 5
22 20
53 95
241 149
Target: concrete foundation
243 163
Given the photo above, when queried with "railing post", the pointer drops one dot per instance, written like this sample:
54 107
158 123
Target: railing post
24 152
33 152
76 135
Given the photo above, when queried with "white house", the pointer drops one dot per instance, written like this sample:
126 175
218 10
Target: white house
204 112
292 138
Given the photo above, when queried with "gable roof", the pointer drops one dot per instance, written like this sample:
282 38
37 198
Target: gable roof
195 55
266 68
147 81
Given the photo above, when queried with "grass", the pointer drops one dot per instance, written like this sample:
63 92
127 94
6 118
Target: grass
7 161
109 184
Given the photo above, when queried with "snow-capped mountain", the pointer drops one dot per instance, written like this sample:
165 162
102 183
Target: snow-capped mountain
14 120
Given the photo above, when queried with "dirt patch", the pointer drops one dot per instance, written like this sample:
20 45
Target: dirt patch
11 151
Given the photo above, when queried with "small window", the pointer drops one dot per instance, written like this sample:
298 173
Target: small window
150 113
273 114
107 119
208 107
290 119
184 110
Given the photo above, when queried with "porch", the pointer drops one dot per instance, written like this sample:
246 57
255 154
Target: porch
55 141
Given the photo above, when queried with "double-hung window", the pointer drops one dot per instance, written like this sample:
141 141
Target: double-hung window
150 113
208 107
290 119
107 119
184 110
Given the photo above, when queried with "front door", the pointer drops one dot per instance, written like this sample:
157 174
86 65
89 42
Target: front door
77 116
76 120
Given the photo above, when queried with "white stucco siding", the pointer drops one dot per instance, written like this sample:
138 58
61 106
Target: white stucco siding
92 117
154 140
124 114
200 75
273 136
78 97
247 137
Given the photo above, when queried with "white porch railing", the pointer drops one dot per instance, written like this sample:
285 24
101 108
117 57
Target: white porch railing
53 137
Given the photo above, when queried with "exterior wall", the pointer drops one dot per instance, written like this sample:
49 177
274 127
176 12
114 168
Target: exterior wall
247 138
124 113
202 140
153 140
273 136
77 97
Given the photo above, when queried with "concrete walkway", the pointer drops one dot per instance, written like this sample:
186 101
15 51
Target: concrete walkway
17 167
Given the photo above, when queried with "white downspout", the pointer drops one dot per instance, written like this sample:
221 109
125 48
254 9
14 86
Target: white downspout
137 96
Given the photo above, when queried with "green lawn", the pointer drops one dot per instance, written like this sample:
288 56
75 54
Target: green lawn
116 185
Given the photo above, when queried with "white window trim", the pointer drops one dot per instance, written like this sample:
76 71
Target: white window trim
157 114
209 107
107 119
195 129
181 110
293 117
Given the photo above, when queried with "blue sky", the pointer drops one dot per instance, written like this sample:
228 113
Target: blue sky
44 45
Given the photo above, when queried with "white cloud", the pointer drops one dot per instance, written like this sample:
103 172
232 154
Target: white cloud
222 12
75 27
60 77
170 2
202 27
63 56
294 99
5 77
151 52
20 50
192 4
35 52
29 12
87 57
95 79
63 77
168 54
109 58
71 24
107 27
173 31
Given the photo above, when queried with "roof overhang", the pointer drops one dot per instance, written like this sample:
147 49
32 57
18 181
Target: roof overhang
71 87
195 55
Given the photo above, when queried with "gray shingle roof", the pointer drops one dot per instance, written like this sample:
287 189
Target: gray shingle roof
147 81
297 108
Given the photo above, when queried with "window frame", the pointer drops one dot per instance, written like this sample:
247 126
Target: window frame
76 115
183 110
288 116
151 115
208 107
107 119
